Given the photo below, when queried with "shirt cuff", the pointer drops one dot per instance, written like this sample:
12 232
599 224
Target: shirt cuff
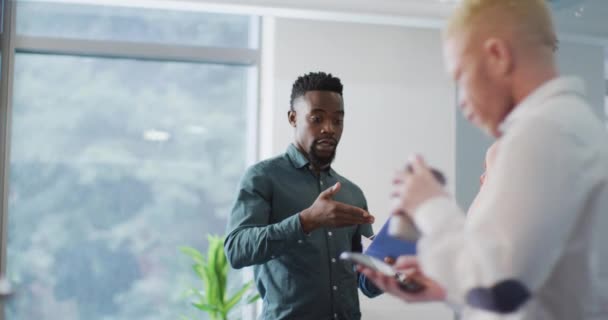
367 287
291 229
435 214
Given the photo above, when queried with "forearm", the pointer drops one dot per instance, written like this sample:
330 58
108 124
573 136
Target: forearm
497 253
251 245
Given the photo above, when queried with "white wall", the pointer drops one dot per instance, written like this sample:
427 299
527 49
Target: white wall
398 100
587 62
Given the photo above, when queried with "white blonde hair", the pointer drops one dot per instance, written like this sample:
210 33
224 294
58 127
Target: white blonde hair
530 19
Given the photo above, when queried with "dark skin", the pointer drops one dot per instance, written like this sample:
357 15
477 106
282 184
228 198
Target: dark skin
317 118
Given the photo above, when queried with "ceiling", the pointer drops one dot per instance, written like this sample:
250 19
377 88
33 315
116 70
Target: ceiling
581 20
577 17
584 18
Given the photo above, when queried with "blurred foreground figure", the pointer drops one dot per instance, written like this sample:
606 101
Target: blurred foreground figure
534 245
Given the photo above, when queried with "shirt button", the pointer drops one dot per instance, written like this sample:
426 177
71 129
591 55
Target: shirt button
329 234
272 257
300 241
333 260
335 288
321 182
336 315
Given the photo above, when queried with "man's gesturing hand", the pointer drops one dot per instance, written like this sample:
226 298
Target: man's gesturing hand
326 212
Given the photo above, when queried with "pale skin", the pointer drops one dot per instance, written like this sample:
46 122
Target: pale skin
489 163
496 67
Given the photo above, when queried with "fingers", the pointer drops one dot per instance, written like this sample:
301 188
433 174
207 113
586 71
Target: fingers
386 284
406 262
417 164
389 260
330 192
399 176
349 212
349 221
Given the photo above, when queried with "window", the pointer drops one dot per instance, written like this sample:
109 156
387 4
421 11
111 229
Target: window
117 160
82 21
606 76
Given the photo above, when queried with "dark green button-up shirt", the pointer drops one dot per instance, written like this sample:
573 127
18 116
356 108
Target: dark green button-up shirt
299 276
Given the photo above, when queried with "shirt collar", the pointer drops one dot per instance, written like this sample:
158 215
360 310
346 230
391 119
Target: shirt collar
557 86
299 160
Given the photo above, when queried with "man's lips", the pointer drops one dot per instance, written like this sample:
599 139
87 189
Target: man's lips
326 144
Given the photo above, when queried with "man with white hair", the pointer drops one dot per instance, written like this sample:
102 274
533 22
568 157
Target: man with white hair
534 247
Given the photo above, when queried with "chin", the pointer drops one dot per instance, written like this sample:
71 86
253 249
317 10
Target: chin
492 130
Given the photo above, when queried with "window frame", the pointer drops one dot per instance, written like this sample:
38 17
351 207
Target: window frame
12 43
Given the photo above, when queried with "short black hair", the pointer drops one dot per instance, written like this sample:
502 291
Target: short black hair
315 81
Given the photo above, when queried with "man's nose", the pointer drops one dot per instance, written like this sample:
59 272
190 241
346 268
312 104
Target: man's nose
328 128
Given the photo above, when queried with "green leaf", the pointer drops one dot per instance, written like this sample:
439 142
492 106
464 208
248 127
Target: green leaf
194 254
237 297
253 298
213 291
223 267
206 307
195 293
220 266
217 262
212 268
202 274
199 270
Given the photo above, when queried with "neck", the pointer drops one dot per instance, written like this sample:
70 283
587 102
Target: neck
529 77
316 169
532 76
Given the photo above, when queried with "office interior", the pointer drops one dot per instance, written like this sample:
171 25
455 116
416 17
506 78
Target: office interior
126 125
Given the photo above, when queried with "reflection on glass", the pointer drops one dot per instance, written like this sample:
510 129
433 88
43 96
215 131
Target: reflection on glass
114 165
94 22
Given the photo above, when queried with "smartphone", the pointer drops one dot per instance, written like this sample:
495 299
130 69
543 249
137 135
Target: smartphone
405 283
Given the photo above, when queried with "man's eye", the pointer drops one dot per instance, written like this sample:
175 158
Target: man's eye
315 119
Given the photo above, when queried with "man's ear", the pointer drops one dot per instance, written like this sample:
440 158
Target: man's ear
501 56
291 117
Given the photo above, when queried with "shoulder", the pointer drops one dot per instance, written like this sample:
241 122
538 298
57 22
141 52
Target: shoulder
267 167
567 122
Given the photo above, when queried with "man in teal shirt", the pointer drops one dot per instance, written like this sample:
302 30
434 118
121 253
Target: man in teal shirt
294 216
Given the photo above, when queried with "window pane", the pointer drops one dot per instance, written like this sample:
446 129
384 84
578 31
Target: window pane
114 165
94 22
1 16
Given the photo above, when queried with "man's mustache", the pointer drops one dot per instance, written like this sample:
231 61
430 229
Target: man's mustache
330 140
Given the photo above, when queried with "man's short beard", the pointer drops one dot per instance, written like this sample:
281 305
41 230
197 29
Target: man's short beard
320 161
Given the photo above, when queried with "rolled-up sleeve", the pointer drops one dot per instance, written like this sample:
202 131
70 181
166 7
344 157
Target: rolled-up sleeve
498 257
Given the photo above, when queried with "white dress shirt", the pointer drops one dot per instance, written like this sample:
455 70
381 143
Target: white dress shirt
536 245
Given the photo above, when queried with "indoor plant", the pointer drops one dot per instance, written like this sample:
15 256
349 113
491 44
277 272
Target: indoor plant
213 271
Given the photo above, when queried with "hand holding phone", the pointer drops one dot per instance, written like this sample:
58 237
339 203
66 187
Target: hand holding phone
405 283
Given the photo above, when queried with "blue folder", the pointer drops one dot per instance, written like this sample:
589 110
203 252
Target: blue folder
383 245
